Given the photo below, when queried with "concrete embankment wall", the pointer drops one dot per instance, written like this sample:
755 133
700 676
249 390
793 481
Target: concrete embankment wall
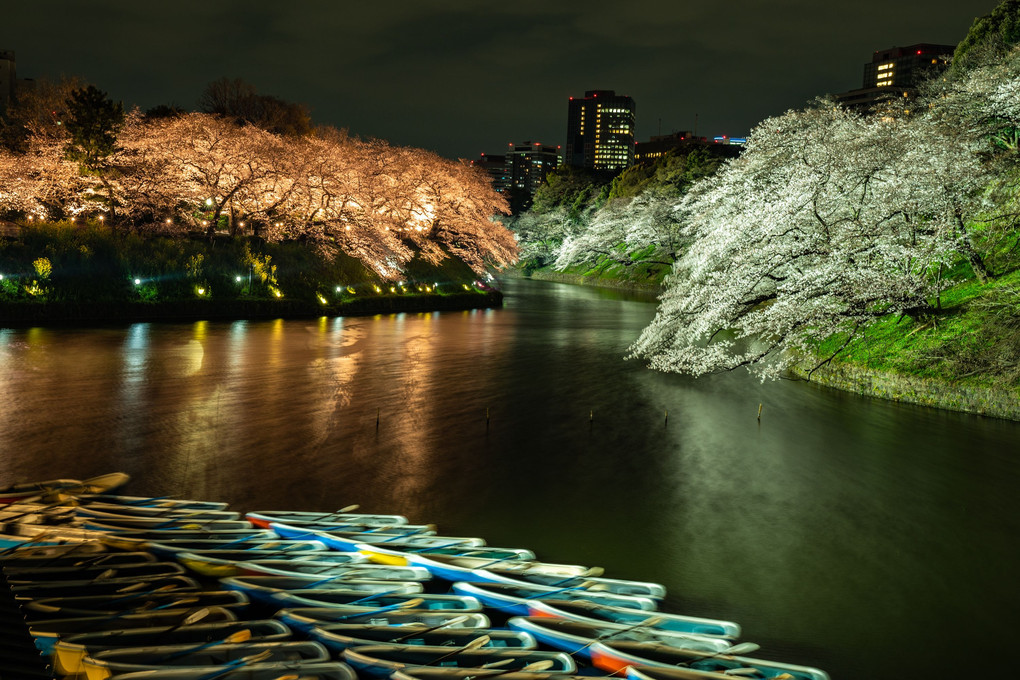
998 403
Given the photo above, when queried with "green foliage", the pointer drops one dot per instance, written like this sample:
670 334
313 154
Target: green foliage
990 36
98 264
974 340
93 122
43 268
575 189
670 174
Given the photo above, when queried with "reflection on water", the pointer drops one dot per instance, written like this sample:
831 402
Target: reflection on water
839 531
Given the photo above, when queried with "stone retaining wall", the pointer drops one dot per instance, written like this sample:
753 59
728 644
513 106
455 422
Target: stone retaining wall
997 403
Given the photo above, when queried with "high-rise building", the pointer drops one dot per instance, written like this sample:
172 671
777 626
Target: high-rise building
527 164
494 165
600 131
896 73
684 142
8 77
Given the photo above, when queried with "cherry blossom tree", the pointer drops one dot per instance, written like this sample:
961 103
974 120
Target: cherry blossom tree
382 204
812 233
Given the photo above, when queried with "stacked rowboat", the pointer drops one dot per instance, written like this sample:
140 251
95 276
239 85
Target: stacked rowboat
130 587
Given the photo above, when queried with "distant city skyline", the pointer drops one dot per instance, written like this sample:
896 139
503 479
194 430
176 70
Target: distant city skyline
460 79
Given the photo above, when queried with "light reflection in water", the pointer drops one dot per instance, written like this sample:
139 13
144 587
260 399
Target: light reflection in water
840 531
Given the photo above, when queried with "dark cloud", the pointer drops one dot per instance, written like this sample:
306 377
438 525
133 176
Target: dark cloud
464 76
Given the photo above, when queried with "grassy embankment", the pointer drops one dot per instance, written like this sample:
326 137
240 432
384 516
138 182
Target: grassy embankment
58 272
606 273
964 358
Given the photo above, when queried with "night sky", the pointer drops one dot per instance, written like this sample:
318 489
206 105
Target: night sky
465 76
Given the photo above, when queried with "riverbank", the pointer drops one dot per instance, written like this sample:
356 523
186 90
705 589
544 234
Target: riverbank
647 281
911 389
22 313
954 363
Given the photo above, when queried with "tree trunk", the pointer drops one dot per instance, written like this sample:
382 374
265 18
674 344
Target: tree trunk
109 194
977 263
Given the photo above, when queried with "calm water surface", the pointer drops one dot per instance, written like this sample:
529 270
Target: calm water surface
870 539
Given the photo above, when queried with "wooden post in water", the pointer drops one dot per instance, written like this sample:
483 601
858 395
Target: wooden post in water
486 418
377 420
759 411
667 417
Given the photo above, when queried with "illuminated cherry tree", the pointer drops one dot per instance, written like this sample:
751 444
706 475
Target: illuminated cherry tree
816 230
382 204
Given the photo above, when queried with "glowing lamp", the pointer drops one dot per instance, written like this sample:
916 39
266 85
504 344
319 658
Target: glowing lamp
338 289
201 291
138 282
238 279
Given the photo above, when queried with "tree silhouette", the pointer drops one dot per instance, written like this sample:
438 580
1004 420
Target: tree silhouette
93 123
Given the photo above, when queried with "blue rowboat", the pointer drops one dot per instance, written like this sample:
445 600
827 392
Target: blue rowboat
47 632
349 541
359 601
43 576
317 670
76 558
70 649
170 534
576 637
122 511
593 612
135 601
656 673
488 570
388 555
150 502
338 637
303 619
18 493
274 583
168 548
454 673
516 599
235 564
262 589
325 520
170 581
102 664
110 522
595 583
381 661
616 656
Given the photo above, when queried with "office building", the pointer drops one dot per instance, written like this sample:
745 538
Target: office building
600 131
527 164
494 165
683 142
896 73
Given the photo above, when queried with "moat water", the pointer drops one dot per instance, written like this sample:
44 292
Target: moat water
870 539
